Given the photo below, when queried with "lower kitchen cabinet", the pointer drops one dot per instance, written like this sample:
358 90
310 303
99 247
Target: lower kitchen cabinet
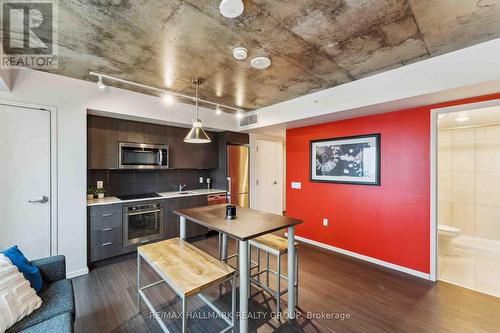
171 225
105 232
192 229
105 226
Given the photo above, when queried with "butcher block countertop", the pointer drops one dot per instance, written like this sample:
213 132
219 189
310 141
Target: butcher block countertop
250 223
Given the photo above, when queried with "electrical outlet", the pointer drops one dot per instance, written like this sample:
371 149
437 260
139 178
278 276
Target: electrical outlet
325 222
201 180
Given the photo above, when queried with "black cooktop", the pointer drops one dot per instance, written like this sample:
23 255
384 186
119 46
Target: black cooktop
138 196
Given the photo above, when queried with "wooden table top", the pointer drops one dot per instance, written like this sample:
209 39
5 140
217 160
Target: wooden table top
250 223
187 269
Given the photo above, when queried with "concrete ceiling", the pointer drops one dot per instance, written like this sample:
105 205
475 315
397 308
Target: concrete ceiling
314 45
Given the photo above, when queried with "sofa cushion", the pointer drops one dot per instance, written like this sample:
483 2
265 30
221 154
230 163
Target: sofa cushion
58 324
57 297
30 271
17 298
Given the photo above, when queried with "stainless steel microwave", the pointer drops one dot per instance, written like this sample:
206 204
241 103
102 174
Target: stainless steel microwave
143 156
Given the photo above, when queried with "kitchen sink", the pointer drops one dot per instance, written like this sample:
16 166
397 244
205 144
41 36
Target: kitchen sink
186 192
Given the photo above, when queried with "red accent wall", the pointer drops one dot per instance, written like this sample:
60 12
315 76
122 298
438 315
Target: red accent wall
388 222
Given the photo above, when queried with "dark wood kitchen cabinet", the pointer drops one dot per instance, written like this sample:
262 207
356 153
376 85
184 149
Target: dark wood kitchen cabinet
102 142
139 132
189 155
104 232
193 229
104 135
171 223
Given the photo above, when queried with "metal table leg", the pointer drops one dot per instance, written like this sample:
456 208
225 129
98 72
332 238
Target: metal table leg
244 280
224 248
184 315
291 272
182 232
139 281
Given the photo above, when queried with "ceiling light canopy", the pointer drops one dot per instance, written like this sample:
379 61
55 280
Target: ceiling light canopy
197 134
462 119
231 8
260 62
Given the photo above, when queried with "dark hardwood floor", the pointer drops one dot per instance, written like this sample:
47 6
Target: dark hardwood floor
365 298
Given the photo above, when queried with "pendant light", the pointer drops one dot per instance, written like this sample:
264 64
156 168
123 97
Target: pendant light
197 134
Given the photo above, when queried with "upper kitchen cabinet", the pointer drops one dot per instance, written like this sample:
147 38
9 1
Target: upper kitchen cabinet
102 142
139 132
105 133
190 155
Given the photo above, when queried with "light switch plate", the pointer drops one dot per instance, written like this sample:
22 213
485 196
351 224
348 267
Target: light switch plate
297 185
325 222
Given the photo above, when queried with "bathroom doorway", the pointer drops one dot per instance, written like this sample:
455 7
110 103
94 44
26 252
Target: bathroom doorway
468 198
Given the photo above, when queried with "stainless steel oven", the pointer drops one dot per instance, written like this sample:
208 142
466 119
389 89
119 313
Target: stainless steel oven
143 156
142 222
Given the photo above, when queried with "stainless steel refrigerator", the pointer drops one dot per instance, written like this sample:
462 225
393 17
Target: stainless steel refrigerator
237 175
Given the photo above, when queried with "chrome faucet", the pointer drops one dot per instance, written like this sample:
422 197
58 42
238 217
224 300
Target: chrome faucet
182 187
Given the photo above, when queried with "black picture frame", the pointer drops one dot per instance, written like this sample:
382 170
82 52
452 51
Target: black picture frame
372 140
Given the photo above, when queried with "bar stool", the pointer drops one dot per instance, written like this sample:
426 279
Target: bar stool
277 246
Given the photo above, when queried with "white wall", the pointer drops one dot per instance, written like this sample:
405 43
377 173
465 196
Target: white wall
72 98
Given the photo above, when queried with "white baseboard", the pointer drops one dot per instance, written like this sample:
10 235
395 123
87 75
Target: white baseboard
406 270
76 273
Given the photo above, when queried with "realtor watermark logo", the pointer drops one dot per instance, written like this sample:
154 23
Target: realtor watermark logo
29 36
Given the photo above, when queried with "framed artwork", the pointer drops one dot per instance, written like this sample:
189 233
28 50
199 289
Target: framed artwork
346 160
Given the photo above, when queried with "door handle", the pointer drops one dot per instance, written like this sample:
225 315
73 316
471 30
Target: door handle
275 182
43 199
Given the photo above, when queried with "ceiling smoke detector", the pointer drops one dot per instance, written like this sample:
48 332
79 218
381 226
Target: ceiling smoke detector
231 8
260 62
240 53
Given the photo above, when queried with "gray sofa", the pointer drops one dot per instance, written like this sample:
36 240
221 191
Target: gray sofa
57 312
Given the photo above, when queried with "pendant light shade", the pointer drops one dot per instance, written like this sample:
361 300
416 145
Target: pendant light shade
197 134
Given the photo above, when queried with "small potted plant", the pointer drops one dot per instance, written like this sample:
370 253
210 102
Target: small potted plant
90 193
100 193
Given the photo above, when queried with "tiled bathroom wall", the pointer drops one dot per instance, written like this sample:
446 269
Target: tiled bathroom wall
469 180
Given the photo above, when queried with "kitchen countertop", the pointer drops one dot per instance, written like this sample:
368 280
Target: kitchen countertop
163 195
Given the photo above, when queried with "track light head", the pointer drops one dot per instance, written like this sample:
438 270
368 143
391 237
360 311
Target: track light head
168 98
100 84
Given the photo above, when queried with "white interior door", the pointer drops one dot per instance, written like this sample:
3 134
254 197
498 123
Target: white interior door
25 176
268 164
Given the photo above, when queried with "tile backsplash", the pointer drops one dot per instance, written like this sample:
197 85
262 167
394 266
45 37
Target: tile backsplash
120 182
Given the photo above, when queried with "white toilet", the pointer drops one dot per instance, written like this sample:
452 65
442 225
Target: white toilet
446 233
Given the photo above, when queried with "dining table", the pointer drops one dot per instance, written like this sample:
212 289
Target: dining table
248 224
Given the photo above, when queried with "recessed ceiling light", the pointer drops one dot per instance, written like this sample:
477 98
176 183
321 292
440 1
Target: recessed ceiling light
462 119
231 8
218 110
101 84
240 53
168 98
260 62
